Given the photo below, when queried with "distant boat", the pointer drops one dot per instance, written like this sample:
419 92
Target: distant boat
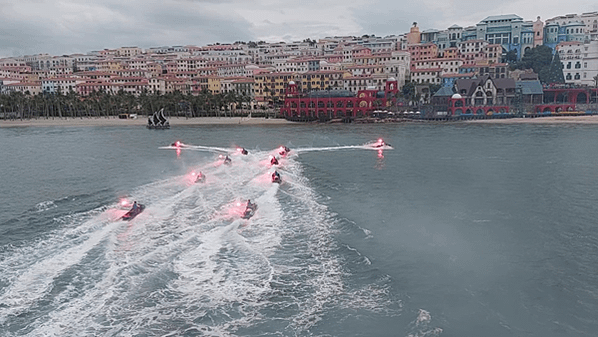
158 121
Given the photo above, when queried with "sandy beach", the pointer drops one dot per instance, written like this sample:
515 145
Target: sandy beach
591 119
113 121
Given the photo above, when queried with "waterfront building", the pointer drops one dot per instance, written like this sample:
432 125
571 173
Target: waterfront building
26 88
485 92
173 84
580 62
157 85
394 64
61 85
87 87
271 86
321 80
329 104
243 87
133 87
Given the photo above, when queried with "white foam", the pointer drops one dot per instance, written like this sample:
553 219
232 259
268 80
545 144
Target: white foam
190 258
36 281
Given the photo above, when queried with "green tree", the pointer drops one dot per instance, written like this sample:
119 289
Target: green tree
538 59
409 91
511 56
554 73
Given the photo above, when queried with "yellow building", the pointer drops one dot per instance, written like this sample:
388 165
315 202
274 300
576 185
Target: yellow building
269 86
214 84
322 80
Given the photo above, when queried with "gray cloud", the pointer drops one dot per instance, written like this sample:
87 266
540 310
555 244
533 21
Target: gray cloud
91 26
80 26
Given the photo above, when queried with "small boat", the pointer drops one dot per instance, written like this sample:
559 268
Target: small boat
133 213
158 121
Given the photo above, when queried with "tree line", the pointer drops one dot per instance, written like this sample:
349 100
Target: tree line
104 104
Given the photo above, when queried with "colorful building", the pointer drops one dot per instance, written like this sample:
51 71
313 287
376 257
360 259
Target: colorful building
329 104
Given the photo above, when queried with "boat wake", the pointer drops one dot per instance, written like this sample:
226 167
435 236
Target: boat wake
189 264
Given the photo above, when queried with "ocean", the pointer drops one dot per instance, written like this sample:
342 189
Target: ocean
458 230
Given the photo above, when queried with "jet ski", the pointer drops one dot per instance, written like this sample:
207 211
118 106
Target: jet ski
227 160
380 143
276 177
273 161
133 212
249 210
284 150
244 152
200 178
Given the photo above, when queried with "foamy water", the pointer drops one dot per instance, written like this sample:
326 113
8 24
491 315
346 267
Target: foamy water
188 264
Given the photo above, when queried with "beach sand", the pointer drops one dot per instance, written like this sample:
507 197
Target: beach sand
113 121
592 119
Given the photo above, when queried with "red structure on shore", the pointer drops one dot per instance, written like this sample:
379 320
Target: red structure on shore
330 104
575 95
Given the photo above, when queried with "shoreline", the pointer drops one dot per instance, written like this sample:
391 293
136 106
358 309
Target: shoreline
589 119
114 121
199 121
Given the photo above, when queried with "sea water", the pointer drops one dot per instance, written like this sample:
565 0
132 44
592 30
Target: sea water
459 230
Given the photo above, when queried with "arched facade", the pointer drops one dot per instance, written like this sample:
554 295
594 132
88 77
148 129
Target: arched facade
332 105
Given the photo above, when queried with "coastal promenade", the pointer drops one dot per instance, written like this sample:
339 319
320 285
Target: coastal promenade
113 121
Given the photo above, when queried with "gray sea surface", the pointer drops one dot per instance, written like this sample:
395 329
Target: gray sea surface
458 230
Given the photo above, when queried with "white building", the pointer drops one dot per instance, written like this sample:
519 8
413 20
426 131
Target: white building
580 61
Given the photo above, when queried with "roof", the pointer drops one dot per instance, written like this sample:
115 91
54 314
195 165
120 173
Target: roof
330 93
470 85
502 17
455 27
530 87
444 92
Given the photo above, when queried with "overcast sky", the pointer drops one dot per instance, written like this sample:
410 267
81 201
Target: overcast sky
30 27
